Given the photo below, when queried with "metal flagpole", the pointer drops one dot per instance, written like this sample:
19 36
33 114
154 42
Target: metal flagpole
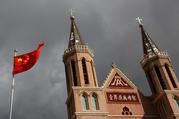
12 91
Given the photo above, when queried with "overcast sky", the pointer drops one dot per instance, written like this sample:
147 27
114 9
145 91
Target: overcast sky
109 28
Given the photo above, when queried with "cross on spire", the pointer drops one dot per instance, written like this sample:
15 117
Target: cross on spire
139 20
113 65
71 13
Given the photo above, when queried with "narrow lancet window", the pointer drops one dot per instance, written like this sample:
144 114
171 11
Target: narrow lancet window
152 83
164 108
170 76
85 71
162 83
85 102
67 78
74 72
93 72
95 104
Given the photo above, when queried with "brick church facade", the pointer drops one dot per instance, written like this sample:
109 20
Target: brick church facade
118 97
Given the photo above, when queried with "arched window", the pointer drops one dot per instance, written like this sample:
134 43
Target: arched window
67 78
160 77
85 71
74 72
85 105
93 72
176 101
151 81
170 75
161 111
164 108
95 104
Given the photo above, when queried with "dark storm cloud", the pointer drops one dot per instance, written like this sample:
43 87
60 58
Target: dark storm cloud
109 28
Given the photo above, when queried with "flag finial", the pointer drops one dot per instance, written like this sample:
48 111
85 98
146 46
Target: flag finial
15 51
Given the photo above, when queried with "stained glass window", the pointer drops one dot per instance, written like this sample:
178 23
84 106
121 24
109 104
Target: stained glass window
85 102
95 104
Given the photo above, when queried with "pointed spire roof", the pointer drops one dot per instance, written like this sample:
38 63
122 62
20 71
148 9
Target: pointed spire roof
75 37
149 47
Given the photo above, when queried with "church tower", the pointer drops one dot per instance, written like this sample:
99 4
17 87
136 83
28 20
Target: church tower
118 97
82 86
78 60
161 77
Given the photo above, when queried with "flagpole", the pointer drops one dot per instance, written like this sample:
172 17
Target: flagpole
12 91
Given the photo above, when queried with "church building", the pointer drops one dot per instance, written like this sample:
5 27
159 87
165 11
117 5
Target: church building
118 97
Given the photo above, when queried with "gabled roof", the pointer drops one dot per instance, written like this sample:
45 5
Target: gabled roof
116 79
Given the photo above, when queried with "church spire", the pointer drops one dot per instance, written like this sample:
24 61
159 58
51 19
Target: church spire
75 37
149 47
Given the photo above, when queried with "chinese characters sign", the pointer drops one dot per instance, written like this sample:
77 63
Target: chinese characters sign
115 97
118 82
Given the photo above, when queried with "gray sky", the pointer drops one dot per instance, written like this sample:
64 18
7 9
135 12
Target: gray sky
109 28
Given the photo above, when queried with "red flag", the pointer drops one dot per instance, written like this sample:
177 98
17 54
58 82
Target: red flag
26 61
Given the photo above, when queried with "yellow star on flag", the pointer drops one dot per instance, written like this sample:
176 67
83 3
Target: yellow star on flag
20 60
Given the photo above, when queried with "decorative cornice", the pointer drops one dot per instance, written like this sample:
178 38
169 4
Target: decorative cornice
133 116
172 91
163 93
77 49
176 114
87 88
107 77
150 58
92 113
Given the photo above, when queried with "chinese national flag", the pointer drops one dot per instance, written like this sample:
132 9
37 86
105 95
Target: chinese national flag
26 61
